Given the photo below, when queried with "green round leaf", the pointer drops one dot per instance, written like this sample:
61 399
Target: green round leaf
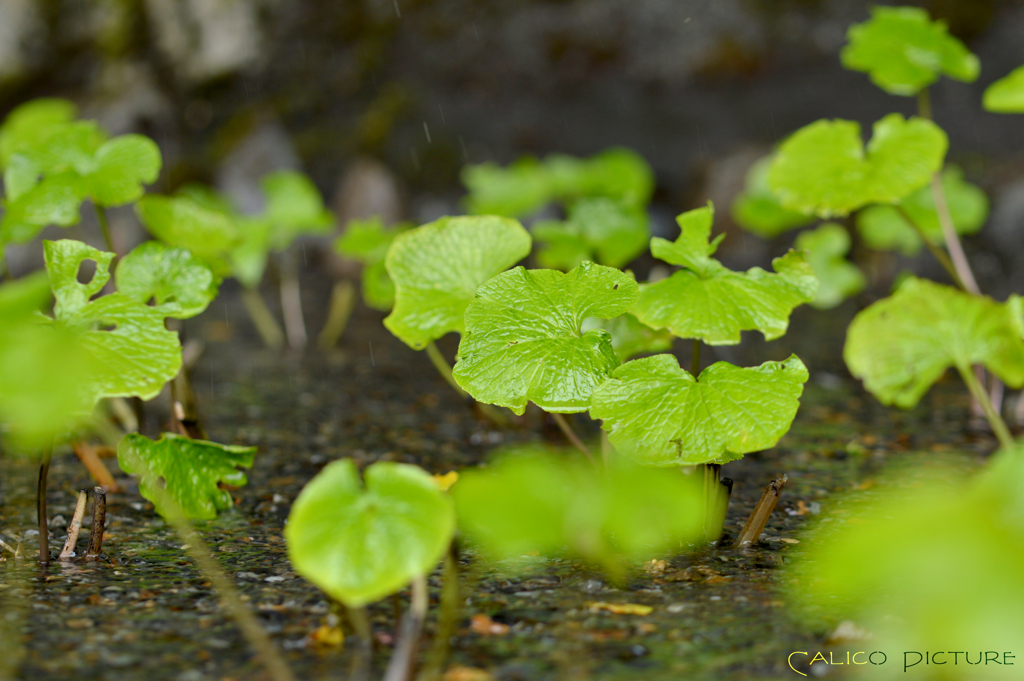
176 471
183 221
523 340
838 279
28 125
53 201
901 345
824 168
294 207
758 210
903 51
611 232
660 415
884 228
529 502
360 545
131 352
437 268
561 246
179 284
1006 95
707 301
123 165
515 191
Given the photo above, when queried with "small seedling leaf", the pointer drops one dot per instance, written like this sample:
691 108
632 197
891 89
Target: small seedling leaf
757 209
529 501
131 352
660 415
294 207
1006 95
523 340
179 284
901 345
437 268
361 544
885 229
826 248
178 470
122 166
707 301
603 230
903 51
182 221
825 169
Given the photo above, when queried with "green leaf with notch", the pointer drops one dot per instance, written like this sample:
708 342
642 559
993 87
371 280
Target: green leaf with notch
826 248
757 208
528 501
660 415
361 544
884 227
1006 95
131 352
901 345
437 268
523 340
824 168
903 51
179 284
707 301
176 471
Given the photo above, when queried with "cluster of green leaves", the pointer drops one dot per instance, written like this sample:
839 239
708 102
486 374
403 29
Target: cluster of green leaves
232 244
53 162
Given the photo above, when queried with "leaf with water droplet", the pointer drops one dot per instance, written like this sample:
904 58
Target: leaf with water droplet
838 278
523 340
360 544
705 300
825 169
437 268
660 415
884 227
903 344
903 51
179 471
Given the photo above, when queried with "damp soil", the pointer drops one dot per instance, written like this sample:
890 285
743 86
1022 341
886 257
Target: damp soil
145 612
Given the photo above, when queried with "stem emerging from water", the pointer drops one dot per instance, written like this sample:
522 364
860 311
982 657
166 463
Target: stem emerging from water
44 531
448 621
759 516
404 658
716 493
995 421
261 317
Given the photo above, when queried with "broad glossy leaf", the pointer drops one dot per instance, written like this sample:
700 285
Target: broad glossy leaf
529 501
903 51
885 229
824 168
176 470
294 207
901 345
630 337
437 268
604 230
29 124
179 284
523 340
1006 95
131 353
42 368
361 544
707 301
660 415
838 278
758 210
183 221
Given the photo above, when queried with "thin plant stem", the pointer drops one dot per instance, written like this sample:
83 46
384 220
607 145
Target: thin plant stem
261 317
939 254
99 523
254 634
101 218
343 297
291 303
362 663
448 620
924 104
571 435
695 361
762 511
41 518
953 245
716 494
74 528
995 421
404 658
443 368
606 449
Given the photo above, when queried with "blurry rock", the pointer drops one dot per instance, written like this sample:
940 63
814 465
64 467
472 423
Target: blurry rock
202 39
127 99
367 188
22 37
266 149
1006 224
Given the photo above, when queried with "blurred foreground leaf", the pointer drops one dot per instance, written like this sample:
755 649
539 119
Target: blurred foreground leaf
1006 95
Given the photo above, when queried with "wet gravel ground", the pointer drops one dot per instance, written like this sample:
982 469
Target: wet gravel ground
146 613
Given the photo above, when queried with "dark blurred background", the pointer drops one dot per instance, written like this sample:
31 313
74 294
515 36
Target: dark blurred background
383 101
